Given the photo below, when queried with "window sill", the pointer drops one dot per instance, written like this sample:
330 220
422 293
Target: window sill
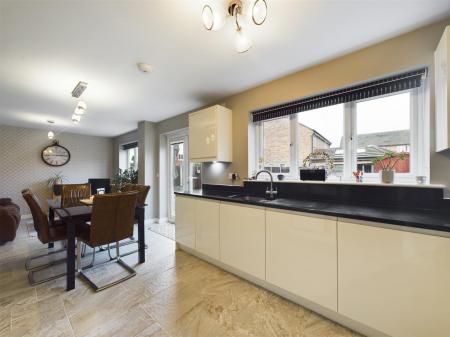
366 183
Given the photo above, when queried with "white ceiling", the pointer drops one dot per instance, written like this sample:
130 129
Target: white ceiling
46 47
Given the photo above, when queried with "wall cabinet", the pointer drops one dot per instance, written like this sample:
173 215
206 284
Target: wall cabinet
394 281
442 91
243 238
210 135
301 256
185 221
207 227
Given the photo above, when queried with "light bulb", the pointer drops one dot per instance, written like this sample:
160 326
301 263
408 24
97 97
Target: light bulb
50 135
76 118
82 105
259 12
80 108
242 43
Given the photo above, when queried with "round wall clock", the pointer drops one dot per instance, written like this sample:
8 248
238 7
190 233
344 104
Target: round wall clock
55 155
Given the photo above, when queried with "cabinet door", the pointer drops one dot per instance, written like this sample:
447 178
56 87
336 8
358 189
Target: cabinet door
301 256
242 238
203 134
442 91
207 227
185 221
394 281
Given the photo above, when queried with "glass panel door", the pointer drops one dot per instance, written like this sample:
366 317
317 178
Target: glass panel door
177 174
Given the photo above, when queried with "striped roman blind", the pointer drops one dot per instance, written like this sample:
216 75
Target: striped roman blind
387 85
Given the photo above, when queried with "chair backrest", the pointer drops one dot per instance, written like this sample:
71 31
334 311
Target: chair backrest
72 193
141 189
112 217
40 219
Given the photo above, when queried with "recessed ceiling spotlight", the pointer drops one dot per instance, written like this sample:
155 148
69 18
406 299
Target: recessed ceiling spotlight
144 67
50 135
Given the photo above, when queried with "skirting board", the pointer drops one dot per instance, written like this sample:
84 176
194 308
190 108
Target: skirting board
332 315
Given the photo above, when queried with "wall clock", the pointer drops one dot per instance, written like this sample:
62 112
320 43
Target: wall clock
55 155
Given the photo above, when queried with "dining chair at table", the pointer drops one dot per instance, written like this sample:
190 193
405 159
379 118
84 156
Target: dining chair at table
45 234
141 189
71 194
112 220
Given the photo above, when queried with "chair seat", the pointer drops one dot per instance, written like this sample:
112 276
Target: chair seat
59 232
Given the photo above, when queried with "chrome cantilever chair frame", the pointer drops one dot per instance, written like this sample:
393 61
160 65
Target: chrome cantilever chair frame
118 260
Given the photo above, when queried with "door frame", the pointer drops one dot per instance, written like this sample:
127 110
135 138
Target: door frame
177 136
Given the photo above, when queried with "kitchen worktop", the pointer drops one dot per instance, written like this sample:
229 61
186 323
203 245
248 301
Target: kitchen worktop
432 219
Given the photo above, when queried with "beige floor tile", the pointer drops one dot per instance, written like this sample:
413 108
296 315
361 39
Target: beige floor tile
5 322
42 318
173 294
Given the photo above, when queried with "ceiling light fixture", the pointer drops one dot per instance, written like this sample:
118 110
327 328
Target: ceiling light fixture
214 20
80 108
50 134
144 67
76 118
79 89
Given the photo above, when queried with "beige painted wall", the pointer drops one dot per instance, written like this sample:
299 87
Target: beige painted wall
405 52
21 165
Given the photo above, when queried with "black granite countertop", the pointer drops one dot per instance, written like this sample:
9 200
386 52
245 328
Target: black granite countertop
417 218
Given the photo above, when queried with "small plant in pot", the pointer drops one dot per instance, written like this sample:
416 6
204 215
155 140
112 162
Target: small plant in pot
54 183
387 164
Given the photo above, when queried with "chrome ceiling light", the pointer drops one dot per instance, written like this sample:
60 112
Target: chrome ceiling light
214 20
50 134
81 107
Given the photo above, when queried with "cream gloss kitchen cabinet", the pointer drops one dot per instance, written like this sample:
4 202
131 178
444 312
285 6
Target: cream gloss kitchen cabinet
210 136
442 91
207 227
395 281
185 221
243 238
301 255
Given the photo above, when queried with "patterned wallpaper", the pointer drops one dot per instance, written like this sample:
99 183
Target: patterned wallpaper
21 165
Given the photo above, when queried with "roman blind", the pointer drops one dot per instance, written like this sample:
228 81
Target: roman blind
130 146
387 85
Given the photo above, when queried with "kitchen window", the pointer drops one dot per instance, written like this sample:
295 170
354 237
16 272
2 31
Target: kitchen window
353 134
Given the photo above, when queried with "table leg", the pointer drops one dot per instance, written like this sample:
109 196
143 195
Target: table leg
141 233
70 255
51 218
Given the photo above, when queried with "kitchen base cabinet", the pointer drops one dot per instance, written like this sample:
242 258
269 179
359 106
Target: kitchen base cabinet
394 281
185 221
207 227
301 256
242 238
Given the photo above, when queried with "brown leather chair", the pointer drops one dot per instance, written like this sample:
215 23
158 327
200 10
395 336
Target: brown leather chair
141 189
46 234
9 220
71 194
112 220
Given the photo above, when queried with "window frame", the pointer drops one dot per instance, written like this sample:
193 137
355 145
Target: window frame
419 140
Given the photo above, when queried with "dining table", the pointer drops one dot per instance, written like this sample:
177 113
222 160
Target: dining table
73 216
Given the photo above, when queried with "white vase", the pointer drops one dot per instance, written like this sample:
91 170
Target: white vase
387 176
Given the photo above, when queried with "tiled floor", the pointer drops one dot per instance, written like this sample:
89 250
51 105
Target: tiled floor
174 294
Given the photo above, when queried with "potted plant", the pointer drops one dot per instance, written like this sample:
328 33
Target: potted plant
387 163
128 176
54 183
